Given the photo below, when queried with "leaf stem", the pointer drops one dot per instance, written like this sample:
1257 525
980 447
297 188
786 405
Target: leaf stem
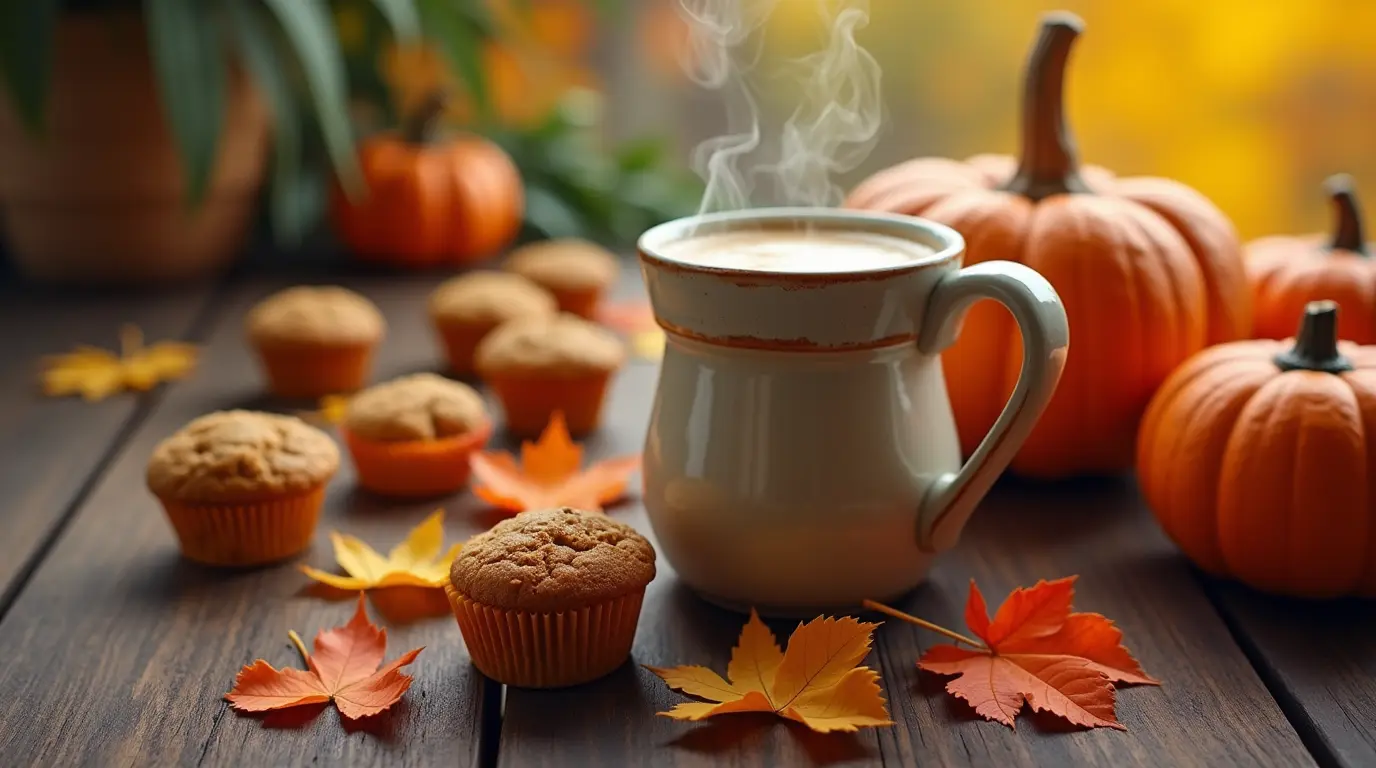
897 614
300 646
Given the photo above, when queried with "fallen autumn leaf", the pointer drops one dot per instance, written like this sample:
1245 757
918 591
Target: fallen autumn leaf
549 475
415 562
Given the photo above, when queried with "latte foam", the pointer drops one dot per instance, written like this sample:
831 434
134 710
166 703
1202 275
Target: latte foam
789 251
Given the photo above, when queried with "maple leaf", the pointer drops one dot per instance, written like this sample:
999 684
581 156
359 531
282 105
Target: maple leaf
415 562
330 412
548 475
96 374
343 669
816 682
1035 651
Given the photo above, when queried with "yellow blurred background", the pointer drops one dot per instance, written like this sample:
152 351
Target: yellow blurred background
1253 102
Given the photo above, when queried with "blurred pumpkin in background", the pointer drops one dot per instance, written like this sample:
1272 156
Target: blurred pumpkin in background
1288 272
1149 270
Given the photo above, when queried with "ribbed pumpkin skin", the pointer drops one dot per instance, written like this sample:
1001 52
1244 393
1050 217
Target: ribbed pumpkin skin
1149 271
1266 476
452 202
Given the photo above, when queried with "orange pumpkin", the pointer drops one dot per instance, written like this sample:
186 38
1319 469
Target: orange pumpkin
1149 270
1259 460
1289 272
431 200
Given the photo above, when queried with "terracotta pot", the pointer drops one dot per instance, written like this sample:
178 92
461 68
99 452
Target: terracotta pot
99 197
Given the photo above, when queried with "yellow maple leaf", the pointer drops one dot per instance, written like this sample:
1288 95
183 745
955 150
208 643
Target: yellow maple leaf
415 562
816 682
96 374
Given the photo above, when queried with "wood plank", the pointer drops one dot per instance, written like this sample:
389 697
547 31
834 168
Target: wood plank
1212 708
120 651
1319 660
50 448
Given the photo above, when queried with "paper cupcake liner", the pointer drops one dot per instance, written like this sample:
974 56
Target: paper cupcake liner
245 534
579 302
529 402
315 370
460 342
415 468
547 650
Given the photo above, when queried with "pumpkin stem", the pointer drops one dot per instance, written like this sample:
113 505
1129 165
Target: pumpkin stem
1050 162
421 127
1347 230
1316 344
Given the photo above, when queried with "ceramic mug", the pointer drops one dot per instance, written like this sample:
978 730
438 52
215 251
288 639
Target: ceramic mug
802 454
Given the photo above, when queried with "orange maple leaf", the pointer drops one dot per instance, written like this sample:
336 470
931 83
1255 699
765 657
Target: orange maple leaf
344 668
548 475
816 683
1035 651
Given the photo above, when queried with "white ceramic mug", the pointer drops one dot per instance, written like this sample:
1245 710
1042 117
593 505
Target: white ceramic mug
802 454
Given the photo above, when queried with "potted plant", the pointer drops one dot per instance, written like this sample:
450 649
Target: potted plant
134 134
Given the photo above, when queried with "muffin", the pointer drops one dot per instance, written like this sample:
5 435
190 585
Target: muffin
467 308
315 341
542 365
412 436
576 271
241 487
551 598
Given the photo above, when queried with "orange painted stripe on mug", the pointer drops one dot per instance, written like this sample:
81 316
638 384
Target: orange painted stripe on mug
785 345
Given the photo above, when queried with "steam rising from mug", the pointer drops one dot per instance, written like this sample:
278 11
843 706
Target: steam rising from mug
831 130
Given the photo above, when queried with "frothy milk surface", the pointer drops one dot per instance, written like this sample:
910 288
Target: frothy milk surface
788 251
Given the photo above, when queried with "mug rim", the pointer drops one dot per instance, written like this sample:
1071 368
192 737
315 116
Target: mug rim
946 243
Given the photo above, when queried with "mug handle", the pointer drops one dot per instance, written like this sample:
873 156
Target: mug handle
1041 318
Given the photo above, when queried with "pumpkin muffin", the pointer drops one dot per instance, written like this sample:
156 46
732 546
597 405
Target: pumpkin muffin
551 598
577 272
315 341
412 436
466 308
540 366
243 488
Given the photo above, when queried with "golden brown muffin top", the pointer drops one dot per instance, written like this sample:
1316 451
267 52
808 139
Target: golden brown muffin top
565 264
565 345
316 315
553 560
490 298
422 406
232 456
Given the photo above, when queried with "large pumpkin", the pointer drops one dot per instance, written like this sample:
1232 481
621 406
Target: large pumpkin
1149 270
1259 460
431 200
1289 272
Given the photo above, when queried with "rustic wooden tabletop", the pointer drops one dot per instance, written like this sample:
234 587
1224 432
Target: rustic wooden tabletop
114 651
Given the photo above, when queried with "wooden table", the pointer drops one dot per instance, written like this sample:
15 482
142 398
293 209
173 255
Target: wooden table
114 651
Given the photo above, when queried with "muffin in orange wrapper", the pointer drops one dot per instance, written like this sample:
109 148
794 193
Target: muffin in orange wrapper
539 366
552 598
577 272
243 488
466 308
412 436
315 341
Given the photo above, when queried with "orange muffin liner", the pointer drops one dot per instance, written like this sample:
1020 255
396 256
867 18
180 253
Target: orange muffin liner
460 342
547 650
579 302
252 533
315 370
415 468
530 402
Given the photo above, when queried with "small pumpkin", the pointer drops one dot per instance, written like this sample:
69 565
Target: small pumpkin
1259 460
1149 271
1287 273
431 200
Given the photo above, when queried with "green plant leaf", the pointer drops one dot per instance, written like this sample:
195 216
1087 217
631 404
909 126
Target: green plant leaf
306 24
551 214
462 40
190 66
401 15
26 51
257 45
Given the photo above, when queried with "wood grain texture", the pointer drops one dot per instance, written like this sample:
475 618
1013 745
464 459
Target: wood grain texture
50 447
122 651
1319 660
